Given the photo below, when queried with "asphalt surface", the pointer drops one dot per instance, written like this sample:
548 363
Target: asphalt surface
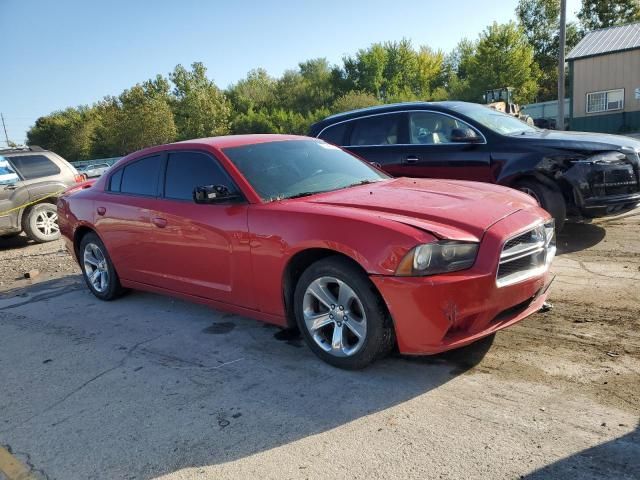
152 387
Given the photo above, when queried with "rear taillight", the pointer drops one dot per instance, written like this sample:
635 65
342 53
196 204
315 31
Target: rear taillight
79 178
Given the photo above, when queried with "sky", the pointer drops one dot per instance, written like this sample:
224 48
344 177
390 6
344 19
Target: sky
56 54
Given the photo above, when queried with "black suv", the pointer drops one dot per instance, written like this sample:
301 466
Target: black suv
571 174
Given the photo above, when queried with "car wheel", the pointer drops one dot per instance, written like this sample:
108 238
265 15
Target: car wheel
97 268
552 201
341 315
40 223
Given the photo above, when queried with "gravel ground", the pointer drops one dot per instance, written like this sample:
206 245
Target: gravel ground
151 387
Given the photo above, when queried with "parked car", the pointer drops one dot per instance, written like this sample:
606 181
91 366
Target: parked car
295 231
571 174
31 179
94 170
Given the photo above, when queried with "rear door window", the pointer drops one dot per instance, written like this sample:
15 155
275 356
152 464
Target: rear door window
188 170
34 166
376 130
141 177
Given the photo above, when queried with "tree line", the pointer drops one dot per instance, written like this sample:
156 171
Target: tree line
187 103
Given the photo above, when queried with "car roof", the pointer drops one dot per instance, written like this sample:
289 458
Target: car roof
241 140
391 107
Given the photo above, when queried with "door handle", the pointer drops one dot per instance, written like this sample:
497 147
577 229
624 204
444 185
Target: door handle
101 210
10 187
159 222
412 159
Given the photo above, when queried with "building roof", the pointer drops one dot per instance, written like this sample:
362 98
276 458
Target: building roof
607 40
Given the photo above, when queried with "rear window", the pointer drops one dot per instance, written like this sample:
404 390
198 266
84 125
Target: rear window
141 177
335 133
34 166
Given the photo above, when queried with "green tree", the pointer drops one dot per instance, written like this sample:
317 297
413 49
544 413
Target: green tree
68 133
540 21
353 100
200 108
255 92
394 71
502 57
596 14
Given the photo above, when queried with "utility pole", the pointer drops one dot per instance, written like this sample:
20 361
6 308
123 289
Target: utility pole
563 42
5 130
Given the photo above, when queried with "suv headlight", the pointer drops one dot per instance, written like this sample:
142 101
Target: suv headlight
439 257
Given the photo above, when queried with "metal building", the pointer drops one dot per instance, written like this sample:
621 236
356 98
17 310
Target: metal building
604 72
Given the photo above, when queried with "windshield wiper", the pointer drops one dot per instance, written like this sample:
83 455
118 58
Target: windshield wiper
305 194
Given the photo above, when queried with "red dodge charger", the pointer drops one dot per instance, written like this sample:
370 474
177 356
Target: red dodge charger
296 232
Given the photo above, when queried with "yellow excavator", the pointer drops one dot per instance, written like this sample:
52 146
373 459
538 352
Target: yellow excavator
500 99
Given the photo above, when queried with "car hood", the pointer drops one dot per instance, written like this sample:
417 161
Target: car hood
450 209
582 140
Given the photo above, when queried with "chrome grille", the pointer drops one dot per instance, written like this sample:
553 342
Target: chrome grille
526 255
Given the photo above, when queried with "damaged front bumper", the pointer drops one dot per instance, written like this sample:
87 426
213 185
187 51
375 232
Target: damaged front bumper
441 312
604 184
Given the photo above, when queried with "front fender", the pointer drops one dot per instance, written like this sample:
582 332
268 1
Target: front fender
277 234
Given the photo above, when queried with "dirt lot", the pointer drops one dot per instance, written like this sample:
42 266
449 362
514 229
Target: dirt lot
148 386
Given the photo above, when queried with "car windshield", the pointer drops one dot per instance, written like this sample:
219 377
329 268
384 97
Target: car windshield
494 120
295 168
7 173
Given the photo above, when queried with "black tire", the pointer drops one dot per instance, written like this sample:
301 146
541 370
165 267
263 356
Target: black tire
379 337
112 288
40 223
552 201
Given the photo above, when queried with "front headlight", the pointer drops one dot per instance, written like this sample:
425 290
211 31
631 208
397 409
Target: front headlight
440 257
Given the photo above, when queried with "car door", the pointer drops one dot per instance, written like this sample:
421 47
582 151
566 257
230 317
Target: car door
430 151
378 139
123 216
203 248
12 196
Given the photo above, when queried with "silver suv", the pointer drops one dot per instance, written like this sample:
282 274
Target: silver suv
31 180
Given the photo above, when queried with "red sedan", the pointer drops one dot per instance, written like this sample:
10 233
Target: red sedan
296 232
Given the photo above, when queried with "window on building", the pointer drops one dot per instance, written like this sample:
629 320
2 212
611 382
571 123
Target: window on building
605 101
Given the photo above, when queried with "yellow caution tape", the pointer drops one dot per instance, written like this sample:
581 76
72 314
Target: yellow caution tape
55 194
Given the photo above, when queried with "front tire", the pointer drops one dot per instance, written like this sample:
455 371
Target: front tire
40 223
341 315
97 268
551 200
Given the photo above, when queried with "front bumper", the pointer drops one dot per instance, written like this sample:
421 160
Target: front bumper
607 188
442 312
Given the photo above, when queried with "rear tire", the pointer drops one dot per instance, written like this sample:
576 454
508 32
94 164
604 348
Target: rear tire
40 223
551 200
341 315
97 268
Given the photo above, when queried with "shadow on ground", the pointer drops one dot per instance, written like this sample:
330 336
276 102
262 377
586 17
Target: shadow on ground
575 237
156 384
618 459
15 242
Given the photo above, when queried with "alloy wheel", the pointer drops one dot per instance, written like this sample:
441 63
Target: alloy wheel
47 223
95 267
334 316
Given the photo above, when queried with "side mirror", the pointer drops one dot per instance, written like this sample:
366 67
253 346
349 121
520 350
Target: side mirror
464 135
213 194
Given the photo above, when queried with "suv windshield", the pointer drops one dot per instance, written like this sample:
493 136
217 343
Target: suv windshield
295 168
497 121
7 173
